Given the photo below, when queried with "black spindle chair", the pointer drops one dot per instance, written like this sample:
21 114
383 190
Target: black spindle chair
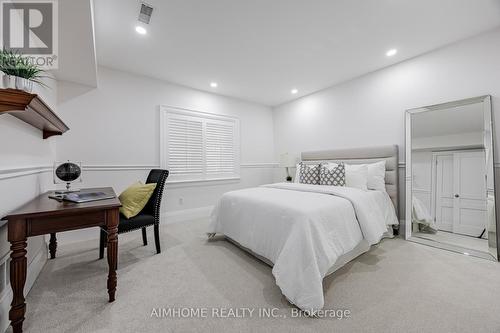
149 216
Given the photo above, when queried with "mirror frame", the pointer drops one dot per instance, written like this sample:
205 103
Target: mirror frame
488 121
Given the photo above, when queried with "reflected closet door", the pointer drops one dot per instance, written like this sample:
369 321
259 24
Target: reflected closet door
460 192
470 193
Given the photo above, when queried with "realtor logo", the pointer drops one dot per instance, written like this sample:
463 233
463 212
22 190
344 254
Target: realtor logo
30 28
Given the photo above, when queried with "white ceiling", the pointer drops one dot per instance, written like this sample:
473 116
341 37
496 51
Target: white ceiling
259 50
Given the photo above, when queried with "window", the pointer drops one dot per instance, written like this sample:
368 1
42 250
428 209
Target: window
197 146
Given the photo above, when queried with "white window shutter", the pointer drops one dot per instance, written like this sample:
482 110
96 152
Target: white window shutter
185 146
220 150
199 146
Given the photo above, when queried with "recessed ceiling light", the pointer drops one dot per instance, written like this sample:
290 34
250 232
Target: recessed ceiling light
213 84
141 30
294 91
391 52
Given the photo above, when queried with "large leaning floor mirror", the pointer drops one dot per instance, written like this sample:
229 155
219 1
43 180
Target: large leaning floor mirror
450 187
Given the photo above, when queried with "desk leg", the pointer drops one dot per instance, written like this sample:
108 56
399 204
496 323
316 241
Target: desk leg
53 245
18 267
112 219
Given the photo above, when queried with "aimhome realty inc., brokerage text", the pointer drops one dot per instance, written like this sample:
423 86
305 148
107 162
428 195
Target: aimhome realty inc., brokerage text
245 312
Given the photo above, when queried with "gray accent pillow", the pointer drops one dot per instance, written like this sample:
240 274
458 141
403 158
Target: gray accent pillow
332 176
309 173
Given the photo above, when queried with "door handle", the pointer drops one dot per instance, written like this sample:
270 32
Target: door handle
457 196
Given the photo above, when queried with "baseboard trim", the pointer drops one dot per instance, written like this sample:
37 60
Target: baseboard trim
167 217
176 216
36 267
4 310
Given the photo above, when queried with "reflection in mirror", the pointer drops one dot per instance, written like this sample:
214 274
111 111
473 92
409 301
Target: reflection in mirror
450 181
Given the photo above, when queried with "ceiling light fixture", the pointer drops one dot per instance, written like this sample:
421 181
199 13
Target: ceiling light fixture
294 91
213 84
141 30
391 52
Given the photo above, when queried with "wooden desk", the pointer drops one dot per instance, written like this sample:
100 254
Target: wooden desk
43 216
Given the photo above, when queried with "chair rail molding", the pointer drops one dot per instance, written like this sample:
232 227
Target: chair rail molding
14 172
23 171
422 190
125 167
259 165
403 165
118 167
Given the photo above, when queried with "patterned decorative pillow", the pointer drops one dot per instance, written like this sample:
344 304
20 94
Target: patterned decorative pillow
333 176
309 173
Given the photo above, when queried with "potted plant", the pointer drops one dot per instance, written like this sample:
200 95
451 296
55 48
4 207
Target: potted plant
19 72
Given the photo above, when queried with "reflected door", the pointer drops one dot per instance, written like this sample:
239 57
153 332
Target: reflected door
470 198
460 192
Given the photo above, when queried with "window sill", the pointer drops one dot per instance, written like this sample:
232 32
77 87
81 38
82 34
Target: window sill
203 182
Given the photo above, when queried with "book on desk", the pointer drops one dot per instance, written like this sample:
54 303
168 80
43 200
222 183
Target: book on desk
81 197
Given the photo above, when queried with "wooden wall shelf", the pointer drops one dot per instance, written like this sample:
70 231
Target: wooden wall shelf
31 109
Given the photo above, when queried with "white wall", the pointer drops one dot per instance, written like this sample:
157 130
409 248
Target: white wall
370 110
24 173
114 131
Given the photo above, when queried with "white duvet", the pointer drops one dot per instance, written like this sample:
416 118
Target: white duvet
303 230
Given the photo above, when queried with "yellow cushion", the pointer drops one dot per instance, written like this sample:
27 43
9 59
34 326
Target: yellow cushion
134 198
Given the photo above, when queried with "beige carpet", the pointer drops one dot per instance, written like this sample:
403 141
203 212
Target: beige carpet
396 287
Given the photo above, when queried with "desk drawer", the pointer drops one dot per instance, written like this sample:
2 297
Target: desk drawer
46 225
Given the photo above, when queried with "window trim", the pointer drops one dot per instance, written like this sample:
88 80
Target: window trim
165 110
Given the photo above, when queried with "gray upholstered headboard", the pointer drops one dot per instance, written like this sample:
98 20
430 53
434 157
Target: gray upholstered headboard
365 155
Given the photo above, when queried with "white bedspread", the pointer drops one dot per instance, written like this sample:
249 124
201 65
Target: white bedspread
421 215
302 229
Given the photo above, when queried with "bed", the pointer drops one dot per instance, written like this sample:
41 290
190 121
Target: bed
306 232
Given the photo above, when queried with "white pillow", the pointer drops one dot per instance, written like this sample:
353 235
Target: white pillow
376 176
297 174
330 165
356 175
